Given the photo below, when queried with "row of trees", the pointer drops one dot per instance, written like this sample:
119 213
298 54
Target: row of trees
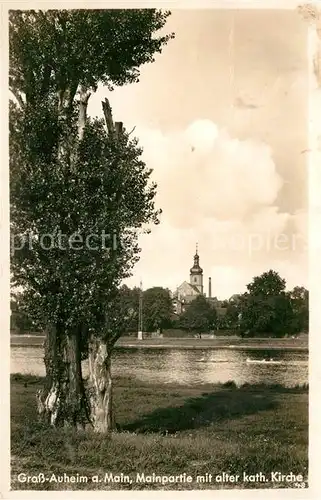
265 309
157 310
268 309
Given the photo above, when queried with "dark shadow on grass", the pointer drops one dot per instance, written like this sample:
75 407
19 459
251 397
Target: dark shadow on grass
226 403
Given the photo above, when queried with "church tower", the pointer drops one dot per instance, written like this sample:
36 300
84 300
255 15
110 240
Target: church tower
196 273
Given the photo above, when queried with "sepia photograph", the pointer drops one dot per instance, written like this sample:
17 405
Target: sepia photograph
159 287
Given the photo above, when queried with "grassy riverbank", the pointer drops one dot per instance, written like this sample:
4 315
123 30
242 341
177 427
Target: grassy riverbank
300 343
168 430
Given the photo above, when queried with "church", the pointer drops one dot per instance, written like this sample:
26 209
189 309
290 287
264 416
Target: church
188 291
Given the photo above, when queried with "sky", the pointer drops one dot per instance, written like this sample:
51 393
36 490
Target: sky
222 117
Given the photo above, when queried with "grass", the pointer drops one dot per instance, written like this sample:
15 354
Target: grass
167 430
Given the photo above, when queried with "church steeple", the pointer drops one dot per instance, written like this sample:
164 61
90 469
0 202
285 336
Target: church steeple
196 273
196 259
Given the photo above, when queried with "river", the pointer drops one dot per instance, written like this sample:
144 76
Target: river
189 366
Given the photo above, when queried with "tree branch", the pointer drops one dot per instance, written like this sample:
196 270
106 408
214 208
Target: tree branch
82 116
132 130
108 117
18 97
118 129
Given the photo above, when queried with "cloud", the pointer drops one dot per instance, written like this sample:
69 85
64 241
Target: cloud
202 172
221 192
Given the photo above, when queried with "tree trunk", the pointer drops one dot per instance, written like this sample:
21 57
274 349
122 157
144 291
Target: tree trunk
48 398
77 411
62 400
84 95
101 387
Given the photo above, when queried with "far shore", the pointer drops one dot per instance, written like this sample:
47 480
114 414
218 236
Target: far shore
228 342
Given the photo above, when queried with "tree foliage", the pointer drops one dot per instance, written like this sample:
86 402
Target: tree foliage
267 309
129 299
200 316
82 226
233 311
157 309
299 297
58 50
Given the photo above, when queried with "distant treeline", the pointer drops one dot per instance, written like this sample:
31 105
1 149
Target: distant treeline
265 309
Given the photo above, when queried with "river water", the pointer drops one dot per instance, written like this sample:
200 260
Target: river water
189 366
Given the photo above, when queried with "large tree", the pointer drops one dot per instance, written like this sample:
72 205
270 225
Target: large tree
79 192
157 308
199 317
266 307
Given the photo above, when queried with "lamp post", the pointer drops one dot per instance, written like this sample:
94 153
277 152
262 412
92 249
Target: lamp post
140 313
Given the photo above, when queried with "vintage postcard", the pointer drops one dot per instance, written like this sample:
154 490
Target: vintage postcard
159 287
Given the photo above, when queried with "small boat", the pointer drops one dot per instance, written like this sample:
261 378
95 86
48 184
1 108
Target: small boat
263 361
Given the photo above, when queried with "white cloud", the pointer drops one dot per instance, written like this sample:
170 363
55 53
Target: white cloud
204 173
220 192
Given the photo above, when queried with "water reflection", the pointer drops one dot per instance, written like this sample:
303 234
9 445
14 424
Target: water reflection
189 366
27 360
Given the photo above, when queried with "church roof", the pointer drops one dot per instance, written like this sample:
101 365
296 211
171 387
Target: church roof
196 270
189 286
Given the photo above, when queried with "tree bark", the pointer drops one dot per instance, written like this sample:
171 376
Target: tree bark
62 400
82 115
48 398
101 386
108 118
76 405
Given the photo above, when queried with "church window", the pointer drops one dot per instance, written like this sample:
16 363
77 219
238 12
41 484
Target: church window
195 280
